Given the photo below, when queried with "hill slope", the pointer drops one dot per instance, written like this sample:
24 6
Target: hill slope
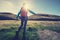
40 17
45 17
7 16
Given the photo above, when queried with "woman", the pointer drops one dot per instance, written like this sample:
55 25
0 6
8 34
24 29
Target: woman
24 18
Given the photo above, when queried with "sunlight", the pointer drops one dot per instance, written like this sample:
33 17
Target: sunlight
27 6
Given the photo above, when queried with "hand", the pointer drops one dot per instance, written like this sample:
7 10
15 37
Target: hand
16 19
34 14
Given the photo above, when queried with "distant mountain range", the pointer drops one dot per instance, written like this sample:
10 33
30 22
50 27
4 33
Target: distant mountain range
45 17
39 17
7 16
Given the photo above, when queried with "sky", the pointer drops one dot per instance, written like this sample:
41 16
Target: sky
37 6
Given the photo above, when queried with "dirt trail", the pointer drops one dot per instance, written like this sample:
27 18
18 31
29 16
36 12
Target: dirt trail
48 35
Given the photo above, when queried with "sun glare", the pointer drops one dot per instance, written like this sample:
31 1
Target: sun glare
27 6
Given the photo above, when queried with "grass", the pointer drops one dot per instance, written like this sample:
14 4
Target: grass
8 29
52 28
8 34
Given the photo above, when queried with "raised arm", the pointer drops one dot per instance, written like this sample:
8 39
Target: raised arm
18 14
31 12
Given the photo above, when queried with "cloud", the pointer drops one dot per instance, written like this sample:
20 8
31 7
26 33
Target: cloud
13 6
7 6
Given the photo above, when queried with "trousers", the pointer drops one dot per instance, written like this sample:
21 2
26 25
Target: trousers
23 24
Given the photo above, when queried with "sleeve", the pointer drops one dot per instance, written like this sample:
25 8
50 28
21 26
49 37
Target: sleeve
31 11
18 14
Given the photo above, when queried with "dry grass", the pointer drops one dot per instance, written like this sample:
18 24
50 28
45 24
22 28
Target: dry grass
45 23
44 35
14 23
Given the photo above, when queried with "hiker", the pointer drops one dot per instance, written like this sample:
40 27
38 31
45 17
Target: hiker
24 17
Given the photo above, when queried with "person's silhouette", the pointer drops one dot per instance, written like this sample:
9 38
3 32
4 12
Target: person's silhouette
24 17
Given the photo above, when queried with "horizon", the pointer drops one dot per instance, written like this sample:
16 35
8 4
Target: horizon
38 6
30 14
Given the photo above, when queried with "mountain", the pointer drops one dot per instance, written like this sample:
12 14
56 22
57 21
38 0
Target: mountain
39 17
7 16
44 17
